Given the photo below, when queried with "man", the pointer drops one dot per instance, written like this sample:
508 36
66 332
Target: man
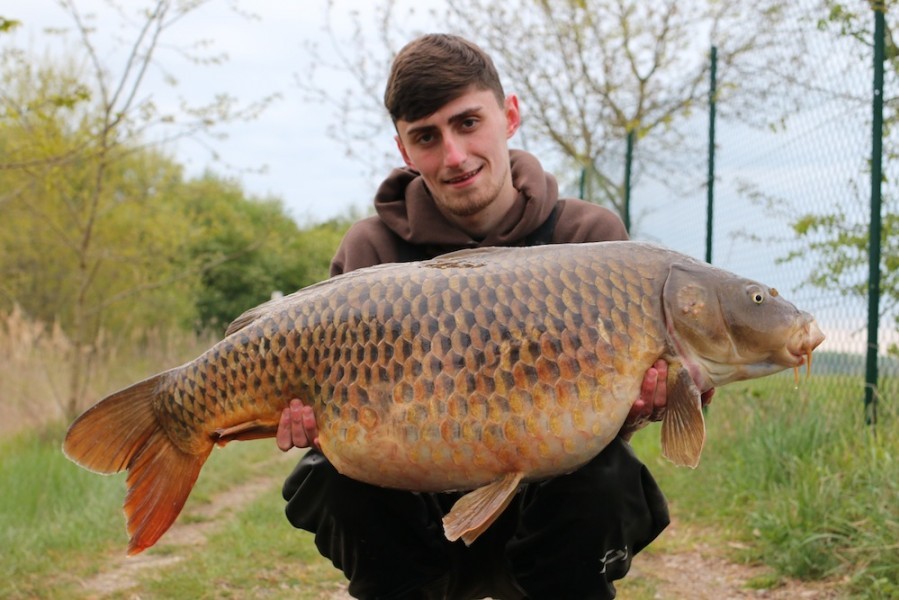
462 187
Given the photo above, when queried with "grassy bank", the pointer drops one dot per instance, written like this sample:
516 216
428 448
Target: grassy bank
797 477
66 525
792 473
51 513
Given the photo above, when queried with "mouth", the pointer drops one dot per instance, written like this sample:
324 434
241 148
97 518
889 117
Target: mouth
811 339
464 178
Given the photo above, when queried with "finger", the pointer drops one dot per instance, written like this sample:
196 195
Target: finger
283 437
310 426
647 392
310 429
637 409
660 398
298 433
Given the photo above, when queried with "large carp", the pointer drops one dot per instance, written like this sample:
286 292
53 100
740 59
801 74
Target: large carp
473 371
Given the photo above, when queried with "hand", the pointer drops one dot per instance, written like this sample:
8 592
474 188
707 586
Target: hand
653 400
297 428
650 406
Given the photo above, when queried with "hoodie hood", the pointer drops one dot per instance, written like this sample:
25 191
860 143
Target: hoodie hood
405 205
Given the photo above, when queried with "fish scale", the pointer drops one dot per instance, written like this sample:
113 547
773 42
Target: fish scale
473 371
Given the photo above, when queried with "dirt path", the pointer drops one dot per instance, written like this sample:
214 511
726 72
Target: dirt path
123 572
686 566
689 567
192 529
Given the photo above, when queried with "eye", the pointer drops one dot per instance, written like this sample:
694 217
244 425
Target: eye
757 296
425 139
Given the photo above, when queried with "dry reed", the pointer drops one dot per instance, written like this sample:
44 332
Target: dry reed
36 367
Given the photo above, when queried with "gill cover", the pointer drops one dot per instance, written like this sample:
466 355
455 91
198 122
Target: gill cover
693 313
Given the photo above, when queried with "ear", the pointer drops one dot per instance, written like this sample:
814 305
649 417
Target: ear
513 115
402 149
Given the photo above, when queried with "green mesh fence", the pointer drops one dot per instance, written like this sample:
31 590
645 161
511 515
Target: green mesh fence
813 166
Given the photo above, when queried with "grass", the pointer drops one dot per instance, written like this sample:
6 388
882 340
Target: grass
60 524
256 554
66 524
50 512
798 476
793 474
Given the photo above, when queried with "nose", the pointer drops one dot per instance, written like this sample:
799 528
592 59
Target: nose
453 152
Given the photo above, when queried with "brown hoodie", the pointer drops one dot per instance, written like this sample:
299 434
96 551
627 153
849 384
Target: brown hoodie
408 225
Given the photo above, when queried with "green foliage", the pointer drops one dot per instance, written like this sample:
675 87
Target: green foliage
251 248
7 25
89 235
796 474
125 276
128 244
97 227
843 250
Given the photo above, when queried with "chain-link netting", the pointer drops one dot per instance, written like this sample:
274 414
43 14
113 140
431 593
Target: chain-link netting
792 196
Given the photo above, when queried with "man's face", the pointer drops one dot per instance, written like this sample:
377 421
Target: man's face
461 151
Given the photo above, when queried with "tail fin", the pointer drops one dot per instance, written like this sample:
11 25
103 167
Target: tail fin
122 432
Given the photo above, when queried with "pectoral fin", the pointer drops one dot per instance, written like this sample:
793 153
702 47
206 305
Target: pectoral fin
683 427
474 512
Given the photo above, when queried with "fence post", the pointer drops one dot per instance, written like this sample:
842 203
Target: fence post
583 183
875 225
710 185
628 159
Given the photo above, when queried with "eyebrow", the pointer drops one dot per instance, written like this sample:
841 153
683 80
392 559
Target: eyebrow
460 116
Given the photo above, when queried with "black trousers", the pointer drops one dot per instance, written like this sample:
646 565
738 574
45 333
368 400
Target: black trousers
568 537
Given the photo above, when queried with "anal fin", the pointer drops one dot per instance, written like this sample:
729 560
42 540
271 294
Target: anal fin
474 512
683 427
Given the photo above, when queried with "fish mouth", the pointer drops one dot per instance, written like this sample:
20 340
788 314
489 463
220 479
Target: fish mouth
808 338
794 354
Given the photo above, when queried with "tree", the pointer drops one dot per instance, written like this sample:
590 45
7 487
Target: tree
76 135
589 72
840 245
252 250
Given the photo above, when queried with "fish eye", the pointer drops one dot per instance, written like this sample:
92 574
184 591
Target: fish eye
756 294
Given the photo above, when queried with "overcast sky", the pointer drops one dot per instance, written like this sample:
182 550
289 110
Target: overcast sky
305 168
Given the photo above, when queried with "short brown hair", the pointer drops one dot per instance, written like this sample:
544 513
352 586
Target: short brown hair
435 69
